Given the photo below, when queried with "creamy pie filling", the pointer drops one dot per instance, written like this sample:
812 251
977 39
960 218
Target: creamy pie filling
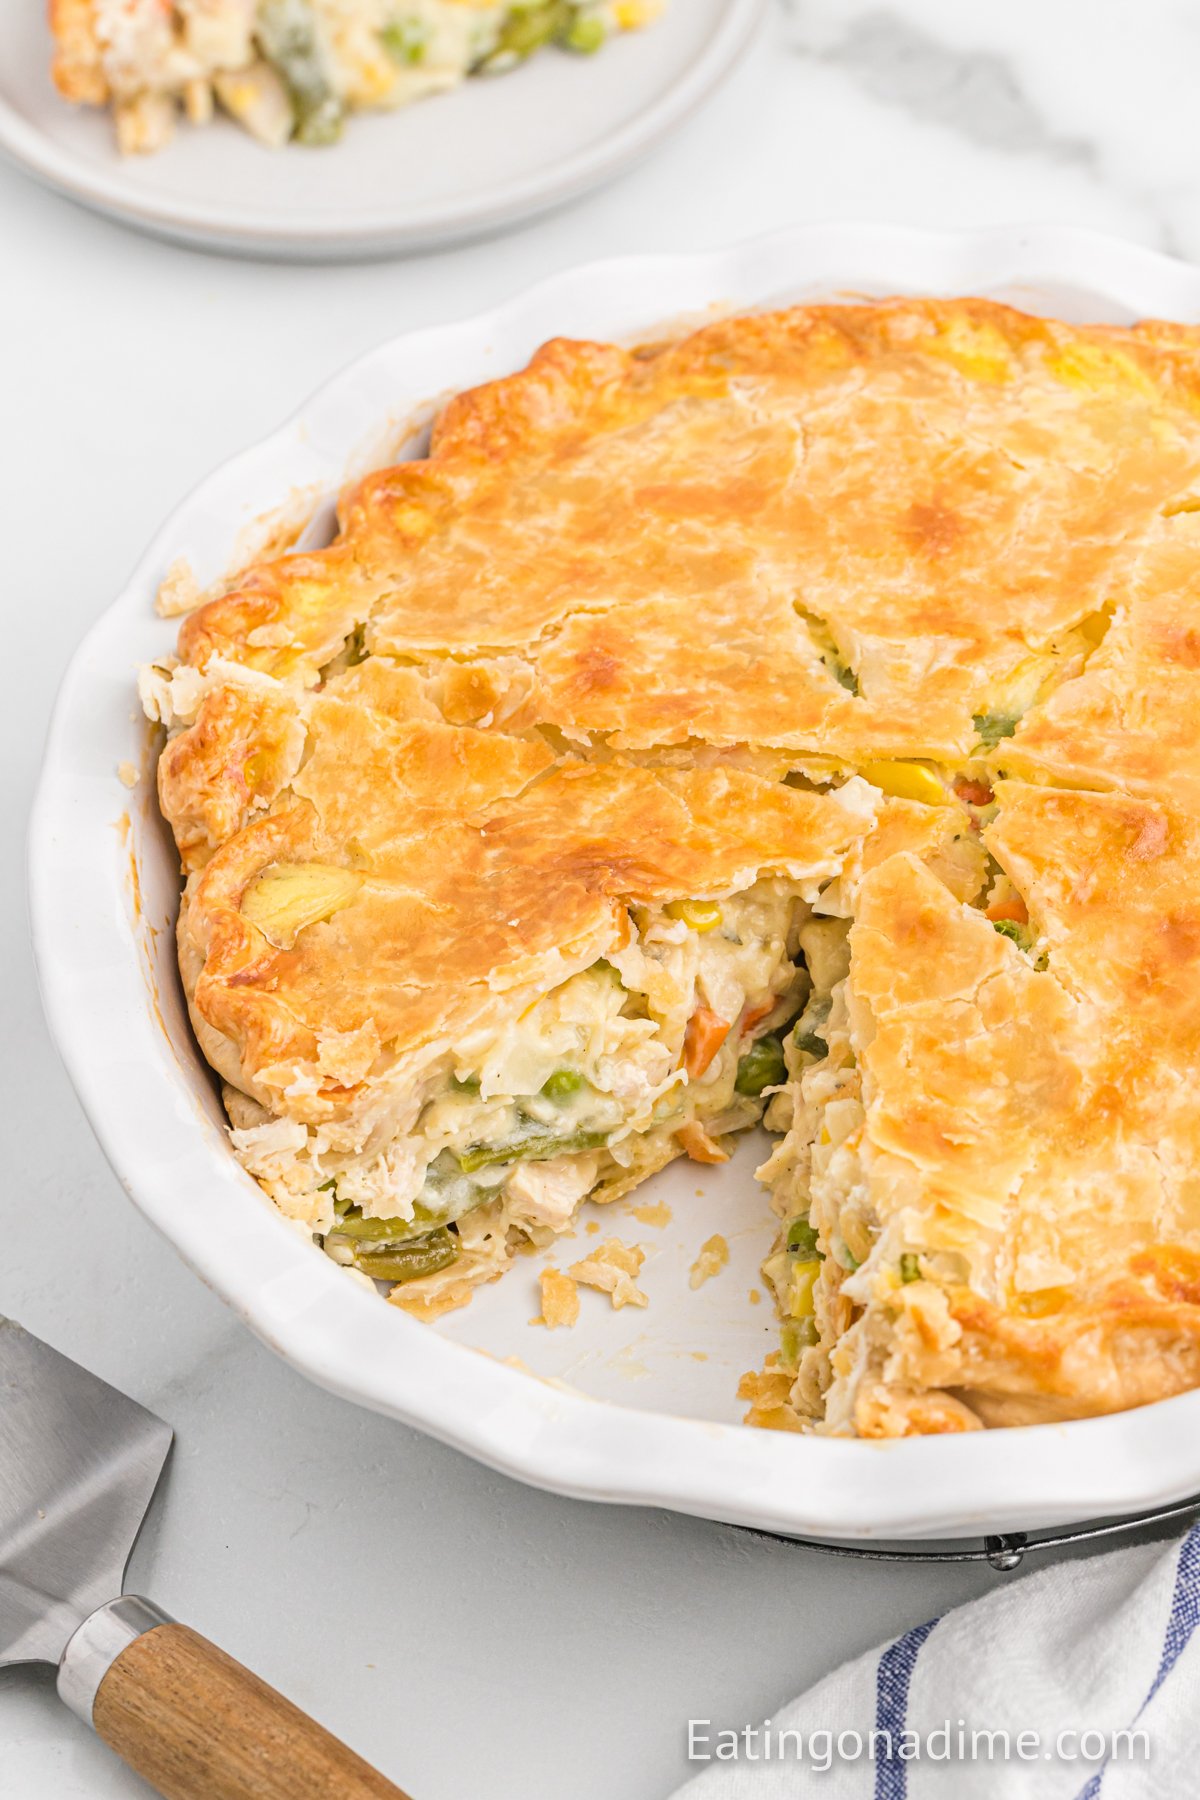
293 69
667 1046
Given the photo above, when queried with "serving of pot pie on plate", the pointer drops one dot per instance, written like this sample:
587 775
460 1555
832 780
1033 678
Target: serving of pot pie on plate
294 69
794 720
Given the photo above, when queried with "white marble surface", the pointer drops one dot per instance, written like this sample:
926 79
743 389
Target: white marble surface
466 1634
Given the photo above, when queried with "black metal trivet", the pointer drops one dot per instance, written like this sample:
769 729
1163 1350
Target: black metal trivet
1004 1551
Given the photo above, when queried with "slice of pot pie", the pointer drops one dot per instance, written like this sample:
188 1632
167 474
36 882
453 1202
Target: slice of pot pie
292 70
799 714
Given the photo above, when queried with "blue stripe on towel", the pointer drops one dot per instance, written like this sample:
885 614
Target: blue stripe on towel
892 1680
1181 1622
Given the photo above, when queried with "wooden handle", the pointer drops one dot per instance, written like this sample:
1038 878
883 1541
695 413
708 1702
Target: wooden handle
197 1726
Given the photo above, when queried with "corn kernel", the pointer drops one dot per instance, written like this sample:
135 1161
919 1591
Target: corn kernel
699 915
1042 1304
800 1302
905 781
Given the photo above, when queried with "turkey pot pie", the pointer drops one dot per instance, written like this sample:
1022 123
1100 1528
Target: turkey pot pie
294 69
799 716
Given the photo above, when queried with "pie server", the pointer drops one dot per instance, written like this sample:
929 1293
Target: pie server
79 1464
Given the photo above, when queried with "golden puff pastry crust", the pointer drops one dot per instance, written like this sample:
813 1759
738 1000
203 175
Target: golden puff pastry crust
897 605
481 868
887 521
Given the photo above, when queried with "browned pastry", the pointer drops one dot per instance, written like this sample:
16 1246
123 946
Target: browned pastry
807 708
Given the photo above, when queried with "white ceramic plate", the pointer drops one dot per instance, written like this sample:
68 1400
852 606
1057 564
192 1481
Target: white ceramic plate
647 1411
489 154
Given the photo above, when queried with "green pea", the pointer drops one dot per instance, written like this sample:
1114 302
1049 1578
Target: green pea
563 1084
761 1067
910 1267
585 34
405 40
465 1084
811 1044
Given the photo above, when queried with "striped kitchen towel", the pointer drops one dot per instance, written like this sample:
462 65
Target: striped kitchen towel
1080 1682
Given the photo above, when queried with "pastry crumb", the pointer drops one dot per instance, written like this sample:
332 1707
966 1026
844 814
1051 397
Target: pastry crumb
612 1269
714 1254
655 1212
560 1300
769 1393
432 1306
178 592
127 774
592 1227
755 1297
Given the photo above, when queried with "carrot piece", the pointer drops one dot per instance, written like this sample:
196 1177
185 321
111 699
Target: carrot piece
757 1014
1013 908
703 1038
698 1145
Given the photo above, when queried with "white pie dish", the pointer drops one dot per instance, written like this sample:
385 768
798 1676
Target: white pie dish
484 157
655 1425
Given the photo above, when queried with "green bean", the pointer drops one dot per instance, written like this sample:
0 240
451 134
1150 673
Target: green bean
539 1149
527 28
797 1335
1009 928
802 1238
761 1067
288 37
354 1229
408 1262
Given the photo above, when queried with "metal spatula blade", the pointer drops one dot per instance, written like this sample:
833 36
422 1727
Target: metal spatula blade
79 1464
